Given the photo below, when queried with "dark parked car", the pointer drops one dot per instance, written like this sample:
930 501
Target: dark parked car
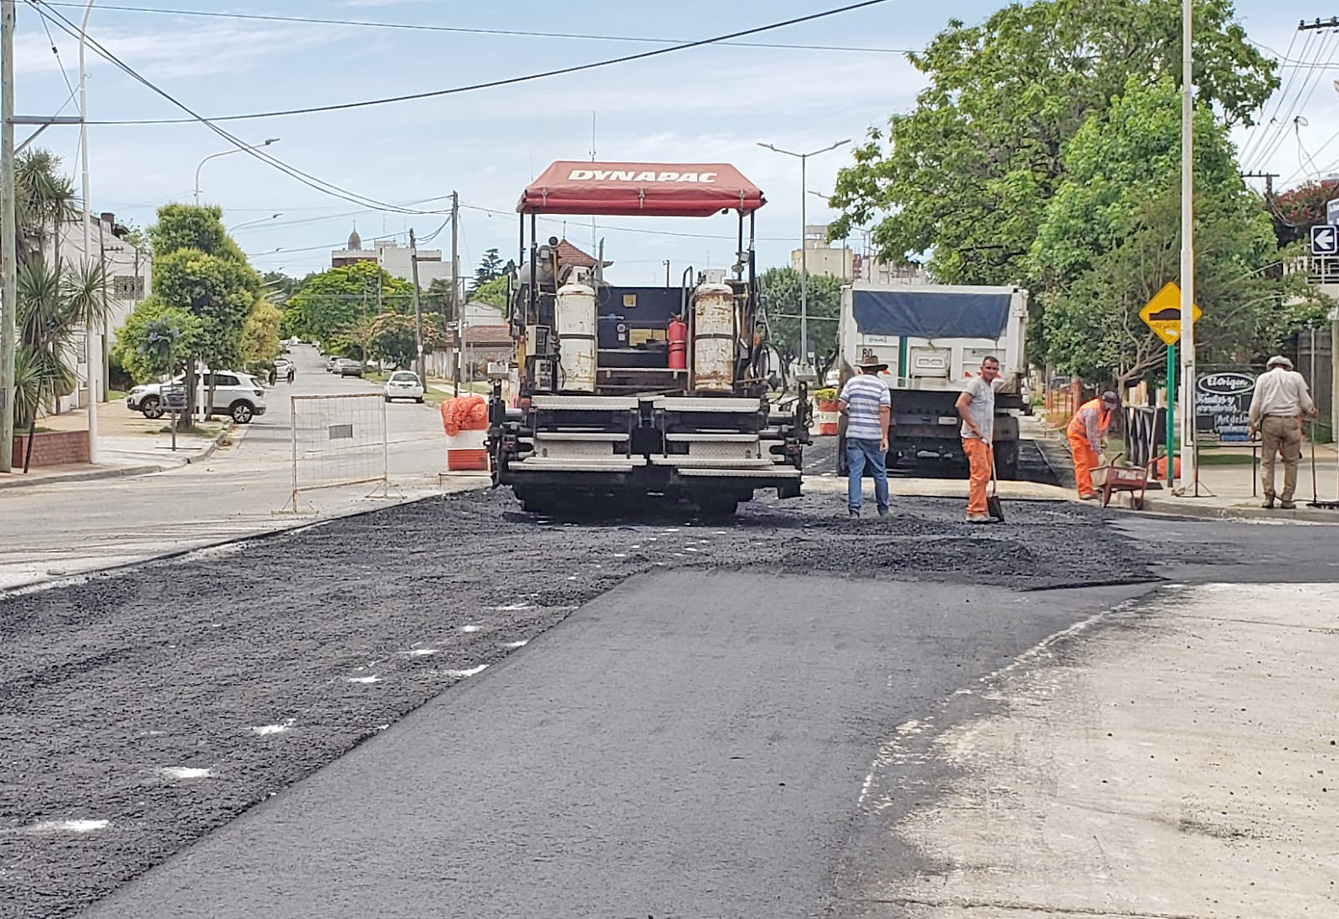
348 368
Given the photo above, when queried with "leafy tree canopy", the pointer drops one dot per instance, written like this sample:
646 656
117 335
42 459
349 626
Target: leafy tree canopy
1297 210
333 301
393 337
781 294
156 339
1110 239
493 292
966 176
260 333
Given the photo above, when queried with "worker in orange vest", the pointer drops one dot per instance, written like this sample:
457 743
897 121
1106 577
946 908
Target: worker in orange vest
1087 433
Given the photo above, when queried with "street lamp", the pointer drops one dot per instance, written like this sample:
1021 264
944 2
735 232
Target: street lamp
252 223
92 342
804 254
268 141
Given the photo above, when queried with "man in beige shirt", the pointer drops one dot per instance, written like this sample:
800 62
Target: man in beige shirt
1280 400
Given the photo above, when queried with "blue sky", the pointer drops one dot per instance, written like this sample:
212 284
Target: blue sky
707 104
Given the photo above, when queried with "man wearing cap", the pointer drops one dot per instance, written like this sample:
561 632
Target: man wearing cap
868 407
1281 399
1087 435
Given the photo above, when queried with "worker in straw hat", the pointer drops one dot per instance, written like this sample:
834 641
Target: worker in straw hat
1087 436
1280 401
867 407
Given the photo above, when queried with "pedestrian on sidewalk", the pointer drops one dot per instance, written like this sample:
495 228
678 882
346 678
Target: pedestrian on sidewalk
976 407
868 408
291 373
1087 435
1280 401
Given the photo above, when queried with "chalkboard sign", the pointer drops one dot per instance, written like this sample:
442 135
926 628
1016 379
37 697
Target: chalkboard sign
1223 405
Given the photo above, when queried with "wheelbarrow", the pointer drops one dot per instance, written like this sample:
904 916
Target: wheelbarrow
1112 478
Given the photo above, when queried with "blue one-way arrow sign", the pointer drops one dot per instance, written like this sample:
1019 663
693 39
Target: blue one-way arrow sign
1325 240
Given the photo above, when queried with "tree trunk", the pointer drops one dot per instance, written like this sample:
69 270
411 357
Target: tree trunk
187 422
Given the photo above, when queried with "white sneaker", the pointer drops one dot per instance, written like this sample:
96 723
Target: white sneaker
980 518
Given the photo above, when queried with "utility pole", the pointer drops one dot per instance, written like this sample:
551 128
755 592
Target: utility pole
667 272
92 336
9 279
1331 23
1269 178
455 290
1189 467
418 310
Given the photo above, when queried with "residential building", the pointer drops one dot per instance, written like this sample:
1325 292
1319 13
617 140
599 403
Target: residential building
394 259
129 272
820 257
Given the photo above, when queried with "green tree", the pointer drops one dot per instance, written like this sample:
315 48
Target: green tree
1110 239
55 304
781 296
260 334
1297 210
966 176
492 292
393 337
330 305
157 340
198 268
490 267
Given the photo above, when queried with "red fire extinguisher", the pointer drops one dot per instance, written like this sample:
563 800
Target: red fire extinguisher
678 344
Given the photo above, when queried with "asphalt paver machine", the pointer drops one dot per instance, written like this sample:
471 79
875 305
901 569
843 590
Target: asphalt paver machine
618 393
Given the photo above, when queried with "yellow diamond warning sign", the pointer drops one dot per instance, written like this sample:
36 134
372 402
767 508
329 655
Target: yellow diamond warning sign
1162 314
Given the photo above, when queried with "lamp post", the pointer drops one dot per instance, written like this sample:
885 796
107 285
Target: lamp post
252 223
804 254
266 143
92 341
1189 470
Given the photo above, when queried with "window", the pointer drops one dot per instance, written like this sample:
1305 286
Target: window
225 379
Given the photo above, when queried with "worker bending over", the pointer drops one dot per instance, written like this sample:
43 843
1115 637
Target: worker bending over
1087 435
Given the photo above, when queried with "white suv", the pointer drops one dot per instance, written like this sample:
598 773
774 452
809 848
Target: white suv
239 395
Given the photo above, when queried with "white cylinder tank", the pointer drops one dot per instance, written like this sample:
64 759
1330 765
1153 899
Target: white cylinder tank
714 338
577 324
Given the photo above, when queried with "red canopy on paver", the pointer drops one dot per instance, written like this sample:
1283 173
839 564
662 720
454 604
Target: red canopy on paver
649 189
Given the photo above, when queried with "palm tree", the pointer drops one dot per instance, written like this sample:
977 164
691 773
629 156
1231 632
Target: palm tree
53 313
55 307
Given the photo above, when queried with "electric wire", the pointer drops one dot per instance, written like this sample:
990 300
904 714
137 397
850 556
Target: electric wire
1328 44
252 150
490 84
464 30
1255 137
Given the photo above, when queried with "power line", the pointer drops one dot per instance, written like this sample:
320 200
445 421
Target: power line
463 30
307 179
491 84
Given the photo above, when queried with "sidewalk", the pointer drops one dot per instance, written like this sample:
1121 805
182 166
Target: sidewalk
1229 485
128 444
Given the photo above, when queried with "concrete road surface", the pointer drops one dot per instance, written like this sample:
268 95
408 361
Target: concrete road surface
65 528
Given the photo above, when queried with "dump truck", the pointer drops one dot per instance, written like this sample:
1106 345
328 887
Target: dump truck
623 392
933 339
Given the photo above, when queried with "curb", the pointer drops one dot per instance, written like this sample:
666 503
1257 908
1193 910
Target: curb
208 451
1191 508
114 472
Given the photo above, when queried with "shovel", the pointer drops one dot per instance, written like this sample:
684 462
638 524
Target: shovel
993 505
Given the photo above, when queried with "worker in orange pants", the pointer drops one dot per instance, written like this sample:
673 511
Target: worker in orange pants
1087 434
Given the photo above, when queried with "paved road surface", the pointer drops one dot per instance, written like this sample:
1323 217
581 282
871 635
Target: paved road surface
69 527
675 748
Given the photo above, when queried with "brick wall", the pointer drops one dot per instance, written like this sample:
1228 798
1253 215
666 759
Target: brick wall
53 448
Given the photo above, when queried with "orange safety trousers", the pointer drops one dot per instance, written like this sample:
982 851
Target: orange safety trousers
1086 459
979 457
